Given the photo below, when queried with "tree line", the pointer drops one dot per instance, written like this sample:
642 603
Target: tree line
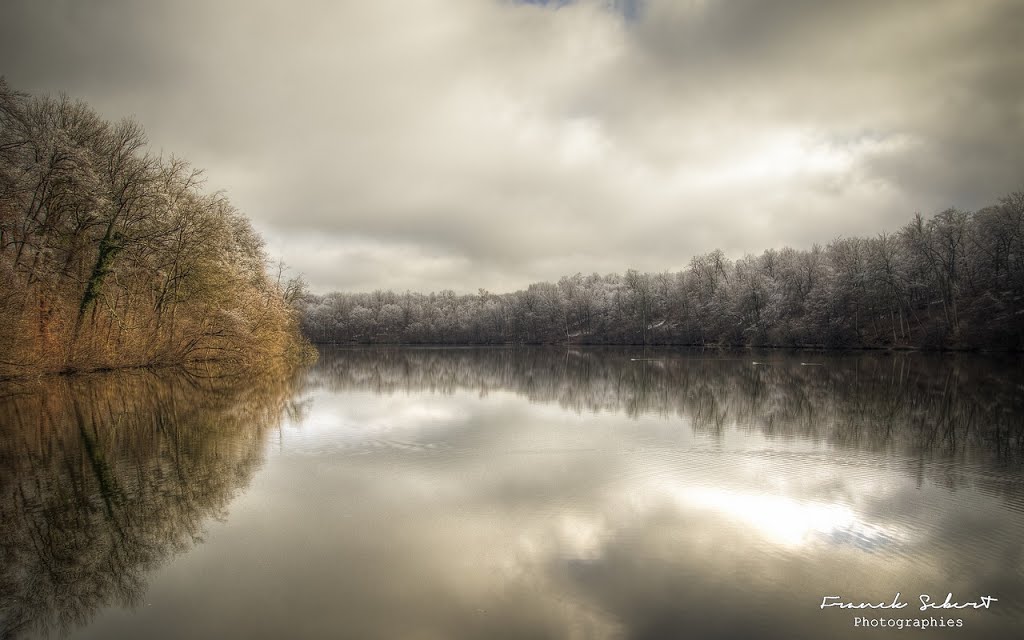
111 256
954 280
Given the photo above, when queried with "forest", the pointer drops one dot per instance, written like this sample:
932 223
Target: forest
113 257
951 281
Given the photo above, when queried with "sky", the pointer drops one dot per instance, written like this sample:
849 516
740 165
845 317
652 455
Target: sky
466 144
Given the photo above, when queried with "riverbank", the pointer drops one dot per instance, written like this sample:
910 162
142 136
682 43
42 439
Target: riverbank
303 354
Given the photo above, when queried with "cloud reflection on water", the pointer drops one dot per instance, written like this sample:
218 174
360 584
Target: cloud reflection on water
527 493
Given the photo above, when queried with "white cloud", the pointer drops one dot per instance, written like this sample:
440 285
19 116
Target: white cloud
470 144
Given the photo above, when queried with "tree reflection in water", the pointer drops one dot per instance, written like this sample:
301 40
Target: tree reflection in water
909 403
103 478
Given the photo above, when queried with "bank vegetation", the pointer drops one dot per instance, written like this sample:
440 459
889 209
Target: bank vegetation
113 257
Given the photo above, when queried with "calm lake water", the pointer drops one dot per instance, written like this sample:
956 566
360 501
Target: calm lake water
517 493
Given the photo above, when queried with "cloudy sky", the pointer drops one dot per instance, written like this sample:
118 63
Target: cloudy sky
492 143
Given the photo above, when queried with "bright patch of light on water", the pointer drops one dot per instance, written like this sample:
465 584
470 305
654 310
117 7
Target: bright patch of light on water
791 522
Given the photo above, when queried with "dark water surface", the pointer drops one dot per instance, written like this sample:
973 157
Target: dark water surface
517 493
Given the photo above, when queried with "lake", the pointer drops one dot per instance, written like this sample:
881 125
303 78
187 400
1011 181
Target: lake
519 493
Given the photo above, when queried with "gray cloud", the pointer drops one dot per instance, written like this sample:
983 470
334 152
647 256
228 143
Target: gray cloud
463 144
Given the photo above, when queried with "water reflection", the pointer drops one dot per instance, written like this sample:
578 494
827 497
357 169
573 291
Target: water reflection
518 493
793 522
104 478
913 403
727 503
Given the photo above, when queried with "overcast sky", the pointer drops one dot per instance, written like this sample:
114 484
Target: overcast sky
429 144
